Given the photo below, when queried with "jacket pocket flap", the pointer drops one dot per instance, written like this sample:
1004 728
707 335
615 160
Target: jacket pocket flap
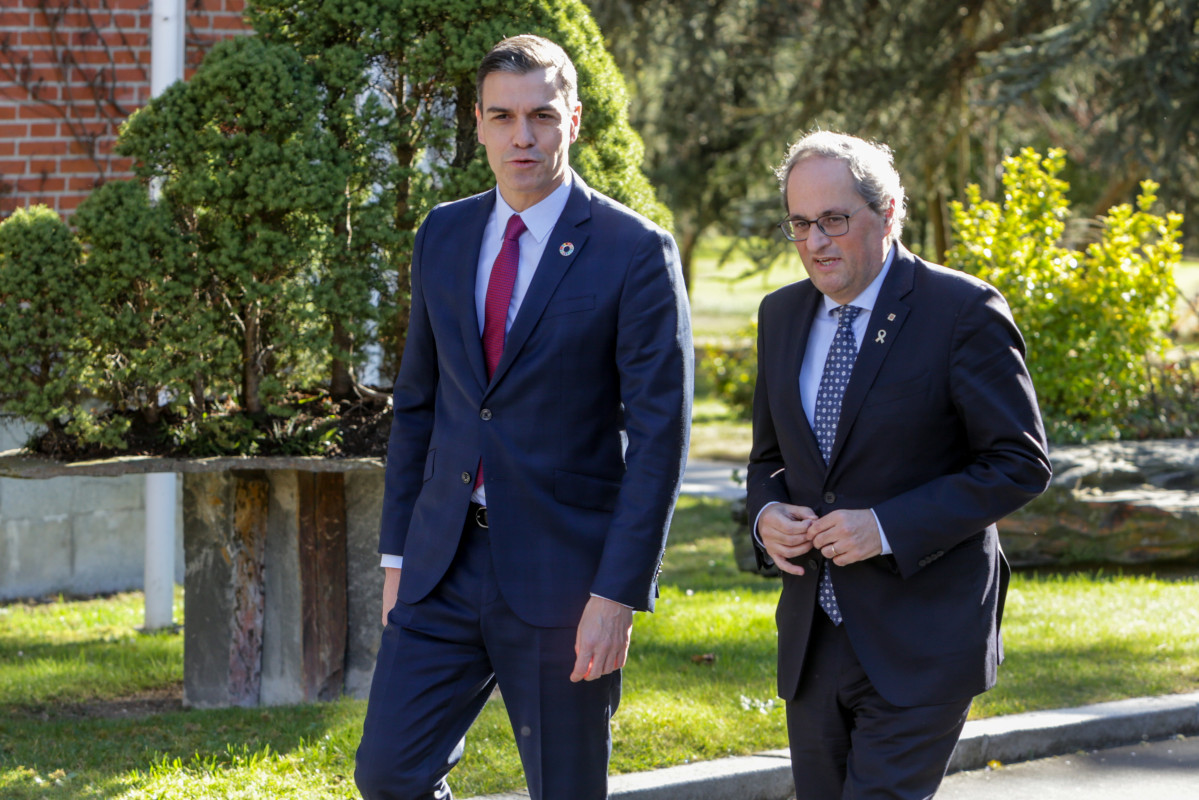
585 491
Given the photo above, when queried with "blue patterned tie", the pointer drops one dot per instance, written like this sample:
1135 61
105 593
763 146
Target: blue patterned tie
837 368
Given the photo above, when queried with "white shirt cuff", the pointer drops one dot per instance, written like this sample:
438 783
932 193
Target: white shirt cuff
882 535
754 530
610 600
392 562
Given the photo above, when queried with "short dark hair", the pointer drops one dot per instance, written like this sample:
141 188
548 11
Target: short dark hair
523 54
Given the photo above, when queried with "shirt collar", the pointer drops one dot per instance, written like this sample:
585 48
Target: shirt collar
869 295
541 218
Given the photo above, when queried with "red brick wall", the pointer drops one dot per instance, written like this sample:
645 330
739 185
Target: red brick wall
71 71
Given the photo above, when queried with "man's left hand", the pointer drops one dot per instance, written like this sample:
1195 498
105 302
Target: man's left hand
847 536
602 642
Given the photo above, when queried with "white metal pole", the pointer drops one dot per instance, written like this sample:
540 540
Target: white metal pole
166 67
166 44
160 550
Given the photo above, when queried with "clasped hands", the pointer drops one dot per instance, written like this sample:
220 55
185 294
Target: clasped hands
844 536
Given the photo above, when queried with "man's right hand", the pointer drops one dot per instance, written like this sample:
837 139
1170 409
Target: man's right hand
391 589
783 531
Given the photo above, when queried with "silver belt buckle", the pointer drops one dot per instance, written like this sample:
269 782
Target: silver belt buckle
481 516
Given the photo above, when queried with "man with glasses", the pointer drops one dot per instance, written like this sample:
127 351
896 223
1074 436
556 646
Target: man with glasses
894 424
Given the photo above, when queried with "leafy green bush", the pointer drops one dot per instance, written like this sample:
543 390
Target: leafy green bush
251 178
732 369
1093 319
152 336
43 314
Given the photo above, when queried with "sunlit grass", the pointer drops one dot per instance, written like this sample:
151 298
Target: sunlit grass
700 684
723 300
1187 276
84 650
717 433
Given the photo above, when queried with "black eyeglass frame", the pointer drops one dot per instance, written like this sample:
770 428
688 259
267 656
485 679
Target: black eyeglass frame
786 225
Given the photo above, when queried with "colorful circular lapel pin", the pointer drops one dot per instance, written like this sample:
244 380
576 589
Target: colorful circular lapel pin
566 249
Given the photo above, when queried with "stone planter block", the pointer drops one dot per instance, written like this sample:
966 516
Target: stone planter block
281 571
267 555
224 545
364 589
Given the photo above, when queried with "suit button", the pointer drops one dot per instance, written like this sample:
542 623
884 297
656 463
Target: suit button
466 477
830 497
485 414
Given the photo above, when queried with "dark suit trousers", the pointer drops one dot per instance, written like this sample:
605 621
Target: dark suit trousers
437 665
848 743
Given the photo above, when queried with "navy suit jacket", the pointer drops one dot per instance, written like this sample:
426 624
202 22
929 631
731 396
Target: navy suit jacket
582 430
941 435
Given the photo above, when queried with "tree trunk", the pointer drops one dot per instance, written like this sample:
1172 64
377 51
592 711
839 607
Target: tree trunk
199 390
936 213
251 367
688 239
341 382
1120 189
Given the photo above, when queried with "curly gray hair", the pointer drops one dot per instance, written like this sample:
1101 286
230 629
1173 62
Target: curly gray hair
870 163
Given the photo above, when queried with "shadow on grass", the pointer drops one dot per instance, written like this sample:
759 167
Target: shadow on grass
33 674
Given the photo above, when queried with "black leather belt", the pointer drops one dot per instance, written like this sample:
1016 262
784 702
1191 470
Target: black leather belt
477 514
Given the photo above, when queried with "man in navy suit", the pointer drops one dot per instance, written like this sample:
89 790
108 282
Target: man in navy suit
542 411
894 424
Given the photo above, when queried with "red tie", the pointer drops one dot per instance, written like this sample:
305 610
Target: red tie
499 297
499 293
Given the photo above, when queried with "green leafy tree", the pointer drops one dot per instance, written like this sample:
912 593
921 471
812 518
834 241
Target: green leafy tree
43 314
1117 83
291 173
732 369
1091 318
151 341
711 79
249 170
723 87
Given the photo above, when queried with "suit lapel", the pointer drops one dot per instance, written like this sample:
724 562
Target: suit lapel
464 255
886 320
566 241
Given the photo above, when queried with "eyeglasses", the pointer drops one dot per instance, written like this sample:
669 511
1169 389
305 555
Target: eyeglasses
797 229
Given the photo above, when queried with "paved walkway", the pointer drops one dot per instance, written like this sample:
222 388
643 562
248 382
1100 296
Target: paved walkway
1165 770
714 479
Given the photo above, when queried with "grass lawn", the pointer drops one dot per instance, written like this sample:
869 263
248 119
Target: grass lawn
699 684
723 300
1187 276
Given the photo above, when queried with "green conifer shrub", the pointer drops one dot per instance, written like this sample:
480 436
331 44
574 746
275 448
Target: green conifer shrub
42 316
